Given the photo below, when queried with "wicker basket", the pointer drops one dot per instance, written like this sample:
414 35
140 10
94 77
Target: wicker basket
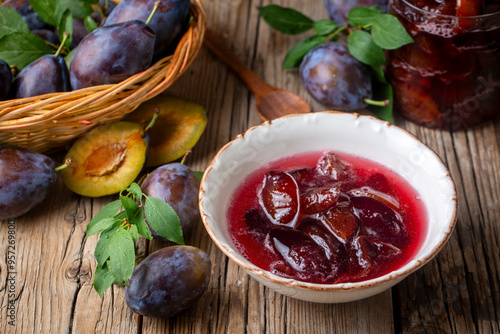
48 122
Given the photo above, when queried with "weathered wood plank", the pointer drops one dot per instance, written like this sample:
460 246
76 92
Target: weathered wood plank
48 264
457 292
450 294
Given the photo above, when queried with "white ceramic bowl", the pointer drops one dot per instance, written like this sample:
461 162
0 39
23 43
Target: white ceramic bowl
363 136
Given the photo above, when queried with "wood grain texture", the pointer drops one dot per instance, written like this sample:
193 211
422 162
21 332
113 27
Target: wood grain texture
457 292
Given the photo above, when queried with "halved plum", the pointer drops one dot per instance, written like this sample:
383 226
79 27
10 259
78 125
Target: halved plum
106 160
178 128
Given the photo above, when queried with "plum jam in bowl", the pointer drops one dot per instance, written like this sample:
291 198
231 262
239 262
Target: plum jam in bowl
328 207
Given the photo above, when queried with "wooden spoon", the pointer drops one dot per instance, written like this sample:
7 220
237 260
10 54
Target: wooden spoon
272 102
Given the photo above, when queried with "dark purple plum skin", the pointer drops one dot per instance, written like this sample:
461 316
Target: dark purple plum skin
5 79
111 54
47 74
338 10
26 178
167 22
335 78
168 281
177 185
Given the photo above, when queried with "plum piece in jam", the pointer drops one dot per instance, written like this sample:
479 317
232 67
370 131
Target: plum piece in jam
378 220
341 223
319 199
326 218
334 249
310 178
257 221
302 256
361 257
280 198
330 164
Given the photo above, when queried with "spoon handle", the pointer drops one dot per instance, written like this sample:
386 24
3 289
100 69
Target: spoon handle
256 85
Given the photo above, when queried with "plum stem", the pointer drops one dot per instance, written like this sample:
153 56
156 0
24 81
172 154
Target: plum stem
65 38
185 156
153 119
383 103
155 8
67 162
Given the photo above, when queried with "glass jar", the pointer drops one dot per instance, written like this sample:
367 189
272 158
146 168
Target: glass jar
449 77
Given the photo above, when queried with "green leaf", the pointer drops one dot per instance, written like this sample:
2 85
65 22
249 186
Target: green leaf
46 10
133 231
143 229
129 205
363 16
90 24
362 47
389 33
100 252
102 225
109 210
52 11
383 92
163 219
103 279
286 20
379 74
66 25
198 174
79 9
120 247
135 190
134 212
69 56
11 21
137 216
294 56
20 49
324 27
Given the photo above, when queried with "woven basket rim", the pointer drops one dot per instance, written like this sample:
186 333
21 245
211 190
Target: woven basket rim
59 117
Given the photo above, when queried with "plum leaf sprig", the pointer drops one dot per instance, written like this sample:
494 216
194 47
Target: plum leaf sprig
115 251
369 32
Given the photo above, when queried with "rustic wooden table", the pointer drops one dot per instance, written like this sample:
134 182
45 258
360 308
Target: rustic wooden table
47 287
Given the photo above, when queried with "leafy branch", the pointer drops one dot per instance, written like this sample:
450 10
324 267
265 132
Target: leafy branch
369 32
19 47
115 251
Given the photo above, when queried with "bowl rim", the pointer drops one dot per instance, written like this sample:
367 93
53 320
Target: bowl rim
394 275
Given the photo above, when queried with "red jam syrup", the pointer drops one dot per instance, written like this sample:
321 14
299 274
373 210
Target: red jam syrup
327 218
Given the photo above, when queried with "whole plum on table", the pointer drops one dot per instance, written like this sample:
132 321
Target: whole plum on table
26 178
338 10
177 185
111 54
168 281
335 78
167 23
5 79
